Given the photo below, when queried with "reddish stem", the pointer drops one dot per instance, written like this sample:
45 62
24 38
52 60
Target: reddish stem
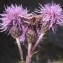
28 58
29 47
20 49
40 37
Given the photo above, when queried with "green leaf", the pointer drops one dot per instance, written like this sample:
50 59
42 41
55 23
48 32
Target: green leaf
36 52
21 62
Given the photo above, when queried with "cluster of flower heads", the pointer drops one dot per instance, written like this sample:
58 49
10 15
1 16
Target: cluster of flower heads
50 17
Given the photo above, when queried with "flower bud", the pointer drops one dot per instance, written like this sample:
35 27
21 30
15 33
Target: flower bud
31 35
44 29
15 31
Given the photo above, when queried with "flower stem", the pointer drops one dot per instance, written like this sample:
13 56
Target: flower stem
28 58
40 37
29 48
20 49
30 52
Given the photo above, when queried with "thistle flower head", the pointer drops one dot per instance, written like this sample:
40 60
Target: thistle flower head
13 15
52 15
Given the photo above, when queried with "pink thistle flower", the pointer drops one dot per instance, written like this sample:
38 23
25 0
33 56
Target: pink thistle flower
12 16
52 15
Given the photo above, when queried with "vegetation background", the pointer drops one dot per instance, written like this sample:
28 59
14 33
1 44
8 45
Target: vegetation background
51 49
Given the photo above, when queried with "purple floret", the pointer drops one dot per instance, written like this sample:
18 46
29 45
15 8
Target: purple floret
52 15
14 15
22 37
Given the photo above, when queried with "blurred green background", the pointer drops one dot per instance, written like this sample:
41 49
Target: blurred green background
51 48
